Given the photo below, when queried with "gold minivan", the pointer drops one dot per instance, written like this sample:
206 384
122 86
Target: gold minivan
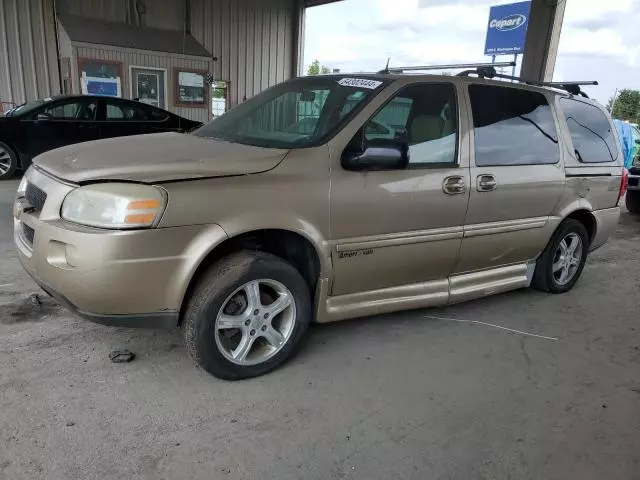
321 199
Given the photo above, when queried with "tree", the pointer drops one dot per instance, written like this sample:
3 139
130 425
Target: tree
626 105
316 69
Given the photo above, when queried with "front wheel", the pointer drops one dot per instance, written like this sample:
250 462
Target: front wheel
561 263
632 201
247 315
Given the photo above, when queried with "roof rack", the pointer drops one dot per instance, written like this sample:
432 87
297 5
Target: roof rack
388 70
488 71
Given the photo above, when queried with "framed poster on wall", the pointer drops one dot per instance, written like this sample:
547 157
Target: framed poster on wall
190 88
100 77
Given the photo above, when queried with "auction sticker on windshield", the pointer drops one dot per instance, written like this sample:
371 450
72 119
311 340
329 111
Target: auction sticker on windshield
359 82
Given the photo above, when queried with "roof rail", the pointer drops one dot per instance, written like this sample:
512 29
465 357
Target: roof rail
489 71
388 69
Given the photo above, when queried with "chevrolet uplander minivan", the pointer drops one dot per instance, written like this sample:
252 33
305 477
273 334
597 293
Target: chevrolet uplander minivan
321 199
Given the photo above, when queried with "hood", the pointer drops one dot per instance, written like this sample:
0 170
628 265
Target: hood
156 158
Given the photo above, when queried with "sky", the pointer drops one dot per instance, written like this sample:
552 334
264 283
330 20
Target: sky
600 39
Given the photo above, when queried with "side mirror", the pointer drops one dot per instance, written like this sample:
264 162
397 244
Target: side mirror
378 155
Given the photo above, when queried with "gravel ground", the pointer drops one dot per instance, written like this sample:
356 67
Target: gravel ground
404 396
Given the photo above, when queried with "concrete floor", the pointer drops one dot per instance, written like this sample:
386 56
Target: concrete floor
397 397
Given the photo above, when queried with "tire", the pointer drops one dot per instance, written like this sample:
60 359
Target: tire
632 201
545 278
227 285
8 161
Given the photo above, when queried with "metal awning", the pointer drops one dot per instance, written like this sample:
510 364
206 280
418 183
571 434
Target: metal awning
101 32
315 3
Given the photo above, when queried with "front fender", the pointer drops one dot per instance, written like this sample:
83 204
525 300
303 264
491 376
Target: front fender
251 222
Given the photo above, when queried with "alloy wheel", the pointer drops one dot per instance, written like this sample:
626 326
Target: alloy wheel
5 161
255 322
567 259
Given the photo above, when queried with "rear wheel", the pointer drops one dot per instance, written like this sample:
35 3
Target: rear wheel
8 161
247 315
561 263
632 201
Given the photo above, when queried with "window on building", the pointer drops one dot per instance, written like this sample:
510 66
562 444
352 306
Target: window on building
190 88
425 116
591 132
512 126
219 98
100 77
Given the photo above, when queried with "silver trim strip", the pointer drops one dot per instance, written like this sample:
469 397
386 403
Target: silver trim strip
395 239
504 226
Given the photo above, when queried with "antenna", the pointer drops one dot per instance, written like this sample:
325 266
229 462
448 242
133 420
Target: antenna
386 68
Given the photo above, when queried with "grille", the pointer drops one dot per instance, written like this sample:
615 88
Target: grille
28 233
35 196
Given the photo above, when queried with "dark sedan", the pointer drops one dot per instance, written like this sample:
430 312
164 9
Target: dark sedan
41 125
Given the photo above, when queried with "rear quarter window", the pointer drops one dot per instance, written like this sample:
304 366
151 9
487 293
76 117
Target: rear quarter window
591 132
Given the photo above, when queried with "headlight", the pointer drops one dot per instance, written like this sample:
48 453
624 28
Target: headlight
22 187
114 205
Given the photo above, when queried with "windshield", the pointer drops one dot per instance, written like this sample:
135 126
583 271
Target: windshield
295 114
27 107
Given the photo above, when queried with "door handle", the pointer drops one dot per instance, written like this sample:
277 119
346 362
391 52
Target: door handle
486 183
453 185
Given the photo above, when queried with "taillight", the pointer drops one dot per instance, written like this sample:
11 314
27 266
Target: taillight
624 183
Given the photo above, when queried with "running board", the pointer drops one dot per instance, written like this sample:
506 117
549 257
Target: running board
458 288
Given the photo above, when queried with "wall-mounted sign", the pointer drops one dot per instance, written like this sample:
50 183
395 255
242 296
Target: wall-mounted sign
507 29
108 87
190 88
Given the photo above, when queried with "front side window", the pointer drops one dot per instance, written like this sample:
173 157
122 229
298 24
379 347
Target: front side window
425 117
73 110
512 127
295 114
591 132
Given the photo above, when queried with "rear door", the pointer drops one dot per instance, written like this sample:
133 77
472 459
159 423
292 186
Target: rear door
60 123
517 176
120 118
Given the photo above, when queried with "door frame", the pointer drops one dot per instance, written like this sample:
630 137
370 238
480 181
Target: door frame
140 67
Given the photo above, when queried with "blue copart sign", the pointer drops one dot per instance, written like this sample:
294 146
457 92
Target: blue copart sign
507 29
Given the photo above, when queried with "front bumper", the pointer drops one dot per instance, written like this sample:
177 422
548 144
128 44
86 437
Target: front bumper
122 278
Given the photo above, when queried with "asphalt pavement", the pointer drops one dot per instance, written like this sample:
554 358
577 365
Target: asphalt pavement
416 395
